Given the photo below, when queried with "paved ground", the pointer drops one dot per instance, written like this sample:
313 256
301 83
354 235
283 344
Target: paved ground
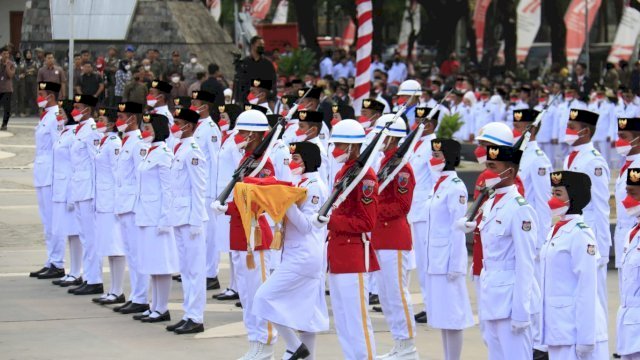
38 320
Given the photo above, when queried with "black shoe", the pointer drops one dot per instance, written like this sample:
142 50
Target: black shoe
179 278
373 299
227 295
616 356
76 288
163 317
540 355
36 273
118 308
301 353
189 327
421 317
239 304
134 308
110 301
327 292
176 325
70 281
377 309
90 289
3 128
141 316
52 273
176 277
213 283
98 299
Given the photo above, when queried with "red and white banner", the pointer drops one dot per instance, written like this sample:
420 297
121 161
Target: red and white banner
260 9
410 23
529 18
282 11
479 21
363 53
214 8
627 34
574 22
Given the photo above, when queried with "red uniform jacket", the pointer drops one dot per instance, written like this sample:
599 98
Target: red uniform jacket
353 218
237 238
477 242
392 231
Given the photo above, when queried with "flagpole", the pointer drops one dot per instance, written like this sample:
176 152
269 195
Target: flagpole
586 33
71 43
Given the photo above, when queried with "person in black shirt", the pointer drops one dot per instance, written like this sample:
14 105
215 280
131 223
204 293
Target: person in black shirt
255 66
89 83
212 85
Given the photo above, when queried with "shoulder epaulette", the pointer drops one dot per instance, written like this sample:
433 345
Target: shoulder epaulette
595 152
539 152
113 137
521 201
194 145
93 127
582 225
139 137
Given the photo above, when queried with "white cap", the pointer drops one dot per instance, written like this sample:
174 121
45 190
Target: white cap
397 129
410 87
496 133
347 131
252 120
227 92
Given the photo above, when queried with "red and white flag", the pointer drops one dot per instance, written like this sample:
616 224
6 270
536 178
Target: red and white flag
574 22
260 9
282 11
363 53
529 18
479 20
627 34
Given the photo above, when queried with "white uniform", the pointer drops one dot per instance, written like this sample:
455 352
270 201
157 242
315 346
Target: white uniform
596 213
324 156
622 110
230 157
484 112
108 234
65 222
546 130
281 157
293 295
560 122
131 155
209 139
624 222
468 125
628 322
508 229
83 153
447 301
604 130
572 313
46 134
157 250
290 136
189 219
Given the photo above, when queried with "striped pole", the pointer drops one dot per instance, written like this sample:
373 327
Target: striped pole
363 53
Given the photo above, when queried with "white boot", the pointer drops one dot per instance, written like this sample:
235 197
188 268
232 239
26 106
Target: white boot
402 350
251 352
263 352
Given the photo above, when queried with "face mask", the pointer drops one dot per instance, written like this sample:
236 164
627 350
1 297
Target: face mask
127 67
76 114
437 165
334 121
571 136
481 154
364 121
493 178
147 67
151 100
516 135
484 97
340 155
260 50
224 125
631 206
121 125
147 137
194 60
176 131
241 141
42 102
101 127
254 101
296 168
542 101
195 109
623 147
175 79
568 97
557 206
301 135
402 100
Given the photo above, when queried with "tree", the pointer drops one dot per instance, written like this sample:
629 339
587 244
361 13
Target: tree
553 11
307 14
440 25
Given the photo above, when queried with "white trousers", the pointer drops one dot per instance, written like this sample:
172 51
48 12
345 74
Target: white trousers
634 356
59 233
91 262
213 251
349 300
568 352
248 282
504 344
393 291
192 257
419 235
45 208
131 235
602 290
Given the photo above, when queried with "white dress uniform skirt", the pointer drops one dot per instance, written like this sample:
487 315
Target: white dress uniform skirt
158 253
447 302
108 235
568 352
628 328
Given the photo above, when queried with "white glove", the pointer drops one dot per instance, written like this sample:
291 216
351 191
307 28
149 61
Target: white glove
70 206
603 261
518 327
163 230
219 208
319 221
465 226
195 231
452 276
584 350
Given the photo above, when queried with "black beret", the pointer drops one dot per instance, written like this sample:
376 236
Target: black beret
163 86
451 150
583 116
423 112
160 125
109 113
373 104
314 93
186 115
130 107
345 111
273 119
67 106
310 154
503 153
525 115
255 107
309 116
86 100
289 100
578 187
629 124
263 84
182 101
633 176
203 95
49 86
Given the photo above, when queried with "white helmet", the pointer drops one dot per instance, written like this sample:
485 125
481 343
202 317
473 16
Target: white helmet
347 131
496 133
397 129
227 92
410 87
252 120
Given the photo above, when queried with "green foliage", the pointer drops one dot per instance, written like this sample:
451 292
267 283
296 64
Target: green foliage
449 124
301 62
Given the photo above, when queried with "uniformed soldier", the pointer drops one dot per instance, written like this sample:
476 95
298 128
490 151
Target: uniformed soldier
544 133
573 322
310 102
606 127
309 128
391 239
182 102
280 154
371 111
108 235
628 343
65 223
508 228
46 134
406 93
561 117
158 98
447 301
584 158
293 297
260 90
350 255
284 104
132 153
83 186
340 112
158 256
251 126
208 136
484 112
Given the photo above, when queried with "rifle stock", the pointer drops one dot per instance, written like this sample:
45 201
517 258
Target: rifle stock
473 211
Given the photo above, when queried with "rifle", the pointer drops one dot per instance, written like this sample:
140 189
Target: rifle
473 210
521 144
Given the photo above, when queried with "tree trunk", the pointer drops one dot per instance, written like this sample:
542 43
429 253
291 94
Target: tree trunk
472 53
442 22
553 11
508 17
307 14
378 26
